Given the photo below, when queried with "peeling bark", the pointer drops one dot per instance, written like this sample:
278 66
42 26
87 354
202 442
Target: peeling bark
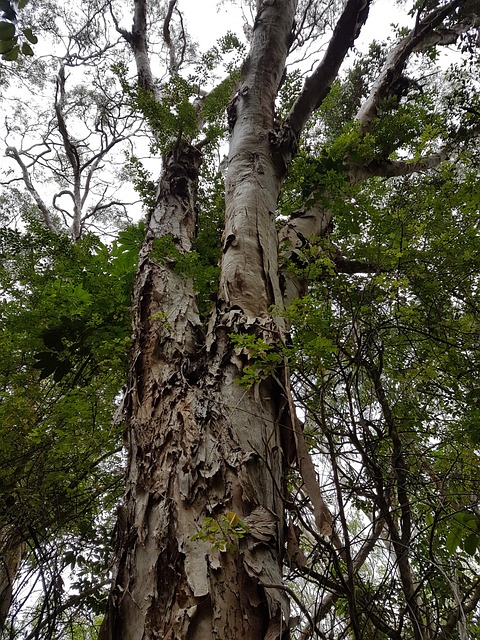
199 446
12 552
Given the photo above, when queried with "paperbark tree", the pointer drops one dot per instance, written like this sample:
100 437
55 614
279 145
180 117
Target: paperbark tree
202 534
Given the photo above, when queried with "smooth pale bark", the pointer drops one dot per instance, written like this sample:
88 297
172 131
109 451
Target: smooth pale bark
249 274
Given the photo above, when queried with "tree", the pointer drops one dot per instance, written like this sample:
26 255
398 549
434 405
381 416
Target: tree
347 286
212 427
64 315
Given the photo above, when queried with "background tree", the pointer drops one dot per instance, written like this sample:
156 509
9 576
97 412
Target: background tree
65 325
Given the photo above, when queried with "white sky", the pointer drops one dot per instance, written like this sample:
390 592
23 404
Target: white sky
206 22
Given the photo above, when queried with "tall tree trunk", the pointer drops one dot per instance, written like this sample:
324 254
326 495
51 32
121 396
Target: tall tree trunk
200 446
12 552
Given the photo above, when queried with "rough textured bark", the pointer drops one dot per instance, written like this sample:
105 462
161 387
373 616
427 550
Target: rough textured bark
12 552
200 445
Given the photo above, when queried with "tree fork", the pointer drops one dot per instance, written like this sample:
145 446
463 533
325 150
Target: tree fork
199 447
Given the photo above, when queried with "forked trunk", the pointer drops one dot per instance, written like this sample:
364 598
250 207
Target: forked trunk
200 446
200 541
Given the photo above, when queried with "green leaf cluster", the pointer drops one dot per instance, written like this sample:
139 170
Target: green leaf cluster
11 44
223 532
464 532
262 358
386 366
142 181
65 341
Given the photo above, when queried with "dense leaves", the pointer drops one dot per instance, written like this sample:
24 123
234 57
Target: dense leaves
11 44
65 343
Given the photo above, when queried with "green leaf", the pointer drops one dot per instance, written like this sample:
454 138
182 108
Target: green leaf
64 366
7 8
27 49
471 544
30 36
7 45
7 30
453 540
12 55
22 4
47 362
52 339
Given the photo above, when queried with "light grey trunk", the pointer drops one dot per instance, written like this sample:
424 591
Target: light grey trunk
199 445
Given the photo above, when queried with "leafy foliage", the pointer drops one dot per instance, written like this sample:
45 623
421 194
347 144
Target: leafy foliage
65 343
222 533
385 361
11 44
386 368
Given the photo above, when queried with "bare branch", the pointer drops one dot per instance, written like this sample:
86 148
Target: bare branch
70 148
138 41
358 561
12 152
166 23
127 35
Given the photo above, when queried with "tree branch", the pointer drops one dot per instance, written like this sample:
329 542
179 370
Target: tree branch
384 168
455 616
423 35
137 39
71 602
358 561
174 62
12 152
317 86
